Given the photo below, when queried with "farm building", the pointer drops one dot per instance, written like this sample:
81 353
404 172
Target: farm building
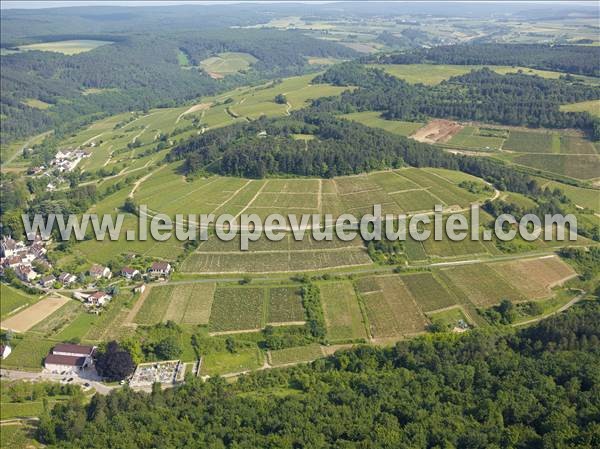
69 357
139 288
26 274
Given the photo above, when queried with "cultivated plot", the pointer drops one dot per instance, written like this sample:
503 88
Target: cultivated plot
343 317
481 285
237 309
25 319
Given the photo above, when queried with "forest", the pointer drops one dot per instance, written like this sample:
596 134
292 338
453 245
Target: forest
577 59
144 73
491 388
340 148
482 95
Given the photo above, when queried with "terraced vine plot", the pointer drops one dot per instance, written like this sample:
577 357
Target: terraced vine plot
285 305
535 277
428 292
482 285
237 309
391 309
343 317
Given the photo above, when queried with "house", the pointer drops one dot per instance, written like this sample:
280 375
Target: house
98 271
13 261
47 281
26 274
129 273
67 278
98 298
139 288
69 357
159 269
8 247
5 351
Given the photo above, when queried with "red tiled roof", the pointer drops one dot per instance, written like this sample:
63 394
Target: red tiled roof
72 348
68 360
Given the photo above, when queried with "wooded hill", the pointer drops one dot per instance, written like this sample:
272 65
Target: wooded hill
482 95
577 59
535 388
140 72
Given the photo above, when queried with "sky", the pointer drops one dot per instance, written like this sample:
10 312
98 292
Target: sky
22 4
19 4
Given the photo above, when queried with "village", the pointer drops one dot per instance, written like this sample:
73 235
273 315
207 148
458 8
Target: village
26 265
64 161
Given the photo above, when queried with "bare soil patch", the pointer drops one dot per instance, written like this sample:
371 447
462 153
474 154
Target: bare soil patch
437 131
26 319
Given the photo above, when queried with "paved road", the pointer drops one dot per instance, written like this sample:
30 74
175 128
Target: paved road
43 376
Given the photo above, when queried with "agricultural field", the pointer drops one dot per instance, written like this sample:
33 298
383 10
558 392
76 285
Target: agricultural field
532 142
575 166
57 321
238 309
343 317
14 300
28 353
473 137
374 120
535 277
391 309
27 318
226 63
37 104
428 291
482 285
432 74
583 197
295 355
245 359
449 317
285 305
68 47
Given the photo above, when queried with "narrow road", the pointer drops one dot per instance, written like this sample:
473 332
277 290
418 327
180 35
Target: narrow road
566 306
43 377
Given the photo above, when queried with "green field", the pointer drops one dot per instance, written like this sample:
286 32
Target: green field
374 120
224 363
37 104
227 63
295 355
391 309
285 305
69 47
584 197
436 73
482 285
237 309
532 142
593 107
428 292
28 353
575 166
475 138
343 317
13 300
449 318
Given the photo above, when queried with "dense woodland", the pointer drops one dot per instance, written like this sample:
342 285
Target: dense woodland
576 59
140 72
535 388
340 148
482 95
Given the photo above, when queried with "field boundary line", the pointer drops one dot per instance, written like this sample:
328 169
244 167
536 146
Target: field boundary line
252 200
233 195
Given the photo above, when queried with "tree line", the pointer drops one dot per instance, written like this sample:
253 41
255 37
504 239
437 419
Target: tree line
578 59
489 388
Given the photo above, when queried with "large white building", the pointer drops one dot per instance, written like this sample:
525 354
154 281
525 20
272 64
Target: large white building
69 357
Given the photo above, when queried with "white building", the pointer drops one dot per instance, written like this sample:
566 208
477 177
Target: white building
5 351
69 357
